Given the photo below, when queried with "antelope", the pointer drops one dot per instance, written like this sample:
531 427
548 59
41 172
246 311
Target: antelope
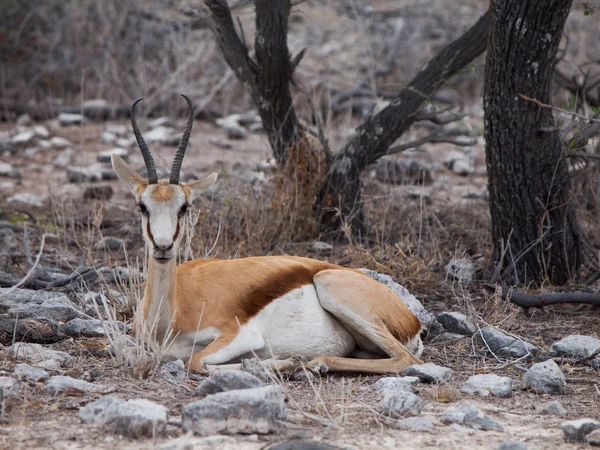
283 309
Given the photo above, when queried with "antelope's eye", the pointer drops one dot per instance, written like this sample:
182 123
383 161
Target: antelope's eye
143 209
183 210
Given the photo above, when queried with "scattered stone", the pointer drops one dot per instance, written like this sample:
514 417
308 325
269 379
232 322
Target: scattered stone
159 122
98 192
403 171
66 119
488 384
101 411
10 386
140 418
220 144
105 156
133 418
504 345
89 328
429 373
321 247
576 346
301 444
11 298
116 128
63 159
577 430
126 142
401 404
7 170
227 380
44 144
461 270
593 438
80 174
174 370
545 378
162 135
554 408
60 142
58 309
26 199
8 240
456 322
23 138
392 385
36 353
233 129
459 163
426 318
60 383
48 364
258 410
471 416
24 120
512 445
107 137
31 374
110 243
425 423
255 367
6 260
41 131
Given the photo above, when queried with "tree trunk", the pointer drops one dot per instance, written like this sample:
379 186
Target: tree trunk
535 233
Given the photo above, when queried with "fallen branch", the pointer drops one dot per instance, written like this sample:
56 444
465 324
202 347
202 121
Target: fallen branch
546 298
437 138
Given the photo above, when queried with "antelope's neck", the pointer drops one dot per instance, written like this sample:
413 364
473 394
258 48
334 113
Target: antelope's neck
160 297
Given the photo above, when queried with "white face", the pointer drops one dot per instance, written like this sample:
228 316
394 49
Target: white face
163 207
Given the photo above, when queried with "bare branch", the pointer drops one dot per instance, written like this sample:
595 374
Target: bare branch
547 299
556 108
437 138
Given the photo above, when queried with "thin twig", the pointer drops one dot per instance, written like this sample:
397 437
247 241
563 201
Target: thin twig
556 108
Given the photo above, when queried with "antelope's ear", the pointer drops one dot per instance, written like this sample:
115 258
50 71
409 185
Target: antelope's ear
126 173
199 186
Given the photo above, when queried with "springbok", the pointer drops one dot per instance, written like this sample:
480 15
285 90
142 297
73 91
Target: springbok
277 307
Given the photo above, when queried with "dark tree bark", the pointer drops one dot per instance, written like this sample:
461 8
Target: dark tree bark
268 83
535 233
268 79
340 198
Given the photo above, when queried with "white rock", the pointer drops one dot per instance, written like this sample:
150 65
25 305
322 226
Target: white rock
425 423
593 438
470 416
105 156
44 143
259 410
41 131
321 247
512 445
32 374
59 142
488 384
116 128
161 135
63 159
456 322
140 418
66 119
95 103
36 353
461 270
6 170
392 385
578 430
26 199
575 346
23 138
429 373
83 174
545 378
504 345
401 404
228 380
107 137
554 408
10 386
159 122
59 383
24 120
126 142
48 364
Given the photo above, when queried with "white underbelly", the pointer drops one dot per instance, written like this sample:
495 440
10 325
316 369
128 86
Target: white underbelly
297 325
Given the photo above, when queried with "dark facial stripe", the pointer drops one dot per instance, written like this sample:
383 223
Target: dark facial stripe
176 232
150 236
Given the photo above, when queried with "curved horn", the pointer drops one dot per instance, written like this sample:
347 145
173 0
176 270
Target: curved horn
150 168
182 144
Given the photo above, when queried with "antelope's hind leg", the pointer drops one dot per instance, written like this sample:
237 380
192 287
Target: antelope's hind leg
377 319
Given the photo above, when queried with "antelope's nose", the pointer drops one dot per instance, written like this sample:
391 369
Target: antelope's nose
163 246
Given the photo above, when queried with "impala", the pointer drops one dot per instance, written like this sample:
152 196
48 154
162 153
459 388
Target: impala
278 308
